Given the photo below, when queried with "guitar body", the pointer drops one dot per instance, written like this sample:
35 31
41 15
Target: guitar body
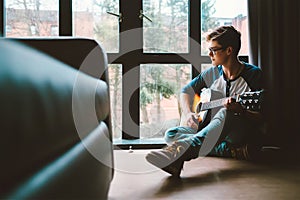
206 96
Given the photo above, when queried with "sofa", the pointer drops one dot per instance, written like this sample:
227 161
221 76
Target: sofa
56 140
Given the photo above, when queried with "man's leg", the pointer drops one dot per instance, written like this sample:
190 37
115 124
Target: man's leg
189 147
221 150
231 135
179 133
244 138
211 135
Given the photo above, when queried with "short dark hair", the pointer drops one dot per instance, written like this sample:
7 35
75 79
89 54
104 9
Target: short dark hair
226 36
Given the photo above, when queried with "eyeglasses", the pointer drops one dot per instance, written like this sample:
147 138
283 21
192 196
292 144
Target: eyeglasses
214 51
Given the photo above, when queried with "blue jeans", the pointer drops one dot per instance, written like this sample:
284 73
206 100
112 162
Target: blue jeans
224 129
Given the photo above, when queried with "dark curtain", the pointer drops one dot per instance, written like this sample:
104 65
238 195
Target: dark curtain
274 46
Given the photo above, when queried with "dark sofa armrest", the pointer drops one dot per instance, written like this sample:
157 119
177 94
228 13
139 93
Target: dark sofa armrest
47 108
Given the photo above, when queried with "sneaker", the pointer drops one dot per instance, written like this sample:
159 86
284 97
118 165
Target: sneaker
245 152
171 158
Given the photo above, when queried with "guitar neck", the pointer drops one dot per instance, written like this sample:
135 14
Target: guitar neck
212 104
249 100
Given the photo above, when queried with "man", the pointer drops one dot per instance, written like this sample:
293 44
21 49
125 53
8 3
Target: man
229 131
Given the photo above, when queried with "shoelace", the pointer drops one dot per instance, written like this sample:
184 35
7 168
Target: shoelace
175 150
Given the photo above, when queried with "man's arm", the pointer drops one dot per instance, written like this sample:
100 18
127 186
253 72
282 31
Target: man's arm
188 117
185 103
238 108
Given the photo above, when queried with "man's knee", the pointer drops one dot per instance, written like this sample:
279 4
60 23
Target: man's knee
222 113
178 132
171 133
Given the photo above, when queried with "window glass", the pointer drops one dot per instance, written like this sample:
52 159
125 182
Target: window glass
54 30
165 26
91 19
160 86
115 86
29 18
205 66
216 13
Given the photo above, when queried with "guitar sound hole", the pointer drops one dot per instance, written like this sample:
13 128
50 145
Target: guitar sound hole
198 108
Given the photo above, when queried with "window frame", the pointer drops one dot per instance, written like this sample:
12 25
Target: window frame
131 112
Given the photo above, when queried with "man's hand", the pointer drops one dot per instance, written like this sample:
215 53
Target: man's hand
192 120
188 118
233 106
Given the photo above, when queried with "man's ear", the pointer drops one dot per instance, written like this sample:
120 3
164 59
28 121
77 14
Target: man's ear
229 50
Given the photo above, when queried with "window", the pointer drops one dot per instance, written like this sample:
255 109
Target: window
91 19
8 29
235 14
115 81
160 86
54 30
31 18
154 47
165 26
33 30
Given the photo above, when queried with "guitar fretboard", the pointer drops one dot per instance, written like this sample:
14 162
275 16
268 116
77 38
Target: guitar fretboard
212 104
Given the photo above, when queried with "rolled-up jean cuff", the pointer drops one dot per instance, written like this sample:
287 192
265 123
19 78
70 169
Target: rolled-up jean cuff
179 133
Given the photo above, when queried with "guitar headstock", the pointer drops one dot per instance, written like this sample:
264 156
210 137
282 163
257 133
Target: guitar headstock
251 100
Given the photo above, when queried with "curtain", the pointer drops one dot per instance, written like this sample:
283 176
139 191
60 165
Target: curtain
274 46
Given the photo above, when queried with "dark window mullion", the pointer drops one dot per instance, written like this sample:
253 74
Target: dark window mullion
165 58
116 58
65 17
194 23
131 50
2 18
195 36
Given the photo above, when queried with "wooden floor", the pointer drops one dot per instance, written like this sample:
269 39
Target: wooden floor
203 178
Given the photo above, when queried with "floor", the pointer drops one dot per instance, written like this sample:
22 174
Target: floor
202 178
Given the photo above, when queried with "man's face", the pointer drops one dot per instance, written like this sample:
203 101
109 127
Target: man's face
216 53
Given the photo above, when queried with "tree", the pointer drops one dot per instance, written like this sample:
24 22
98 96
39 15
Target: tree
106 5
178 24
154 84
207 11
168 30
181 77
153 33
106 28
145 99
208 22
116 94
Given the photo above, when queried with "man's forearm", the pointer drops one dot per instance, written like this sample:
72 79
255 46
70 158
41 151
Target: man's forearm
185 103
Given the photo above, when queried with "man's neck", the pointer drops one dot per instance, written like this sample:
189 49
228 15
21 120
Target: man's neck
232 70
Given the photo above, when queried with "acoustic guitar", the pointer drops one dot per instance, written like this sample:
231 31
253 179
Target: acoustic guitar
205 102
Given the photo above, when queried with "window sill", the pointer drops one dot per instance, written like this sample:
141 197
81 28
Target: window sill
147 143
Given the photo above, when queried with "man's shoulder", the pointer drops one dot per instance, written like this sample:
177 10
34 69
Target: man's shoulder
214 70
252 71
253 76
251 67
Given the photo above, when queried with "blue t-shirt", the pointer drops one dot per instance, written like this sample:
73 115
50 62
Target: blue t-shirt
250 79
